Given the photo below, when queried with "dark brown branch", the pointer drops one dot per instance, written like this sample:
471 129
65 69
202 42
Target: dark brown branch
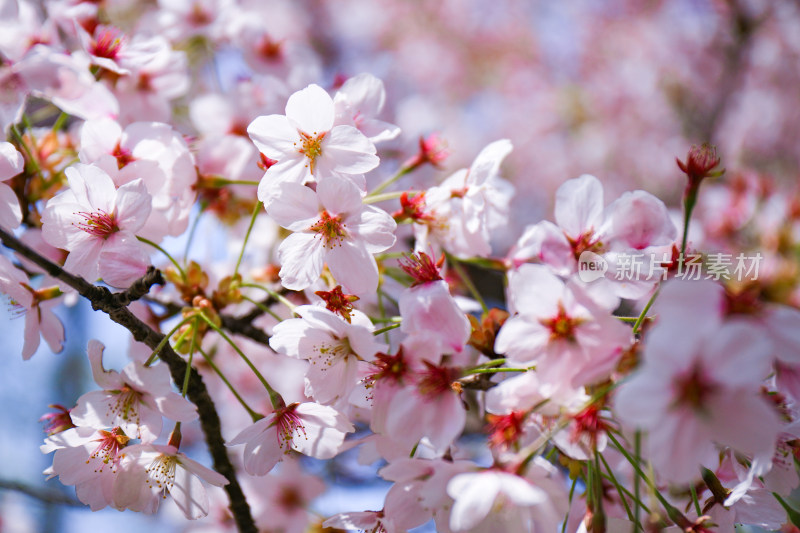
140 287
241 326
103 300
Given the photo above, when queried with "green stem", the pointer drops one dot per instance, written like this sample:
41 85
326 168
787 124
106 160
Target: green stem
688 207
188 373
493 370
611 477
637 502
262 307
695 500
386 329
489 364
462 273
25 148
381 187
391 300
375 198
639 321
382 311
165 340
598 515
571 494
274 397
60 121
190 239
255 416
217 181
163 251
674 514
272 293
256 210
386 320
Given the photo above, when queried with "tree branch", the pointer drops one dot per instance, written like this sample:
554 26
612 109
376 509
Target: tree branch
40 493
241 327
103 300
140 287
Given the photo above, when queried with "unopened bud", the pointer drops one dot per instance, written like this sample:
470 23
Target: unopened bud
700 163
432 149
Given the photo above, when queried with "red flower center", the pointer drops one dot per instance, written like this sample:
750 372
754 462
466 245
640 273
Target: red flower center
100 224
330 228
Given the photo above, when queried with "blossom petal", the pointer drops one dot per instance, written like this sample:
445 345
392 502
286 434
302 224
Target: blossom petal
273 135
310 110
579 205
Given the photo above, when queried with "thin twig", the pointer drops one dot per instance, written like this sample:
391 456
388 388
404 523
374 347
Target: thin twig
40 493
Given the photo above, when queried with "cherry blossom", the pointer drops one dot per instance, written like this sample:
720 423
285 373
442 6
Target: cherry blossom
331 226
287 496
427 306
419 491
309 428
97 224
134 399
90 459
468 205
154 470
571 339
11 164
153 152
696 390
337 350
306 144
37 306
371 521
637 222
492 499
358 102
416 397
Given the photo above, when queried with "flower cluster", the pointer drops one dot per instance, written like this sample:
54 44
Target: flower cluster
491 364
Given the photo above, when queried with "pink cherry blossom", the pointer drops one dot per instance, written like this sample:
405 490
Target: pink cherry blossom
494 500
152 471
571 339
286 498
153 152
158 75
637 222
306 144
309 428
426 405
90 459
468 205
66 81
337 350
419 491
748 501
427 306
37 306
358 103
697 389
97 224
331 226
11 164
133 400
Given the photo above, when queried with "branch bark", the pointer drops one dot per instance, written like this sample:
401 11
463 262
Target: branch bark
113 305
